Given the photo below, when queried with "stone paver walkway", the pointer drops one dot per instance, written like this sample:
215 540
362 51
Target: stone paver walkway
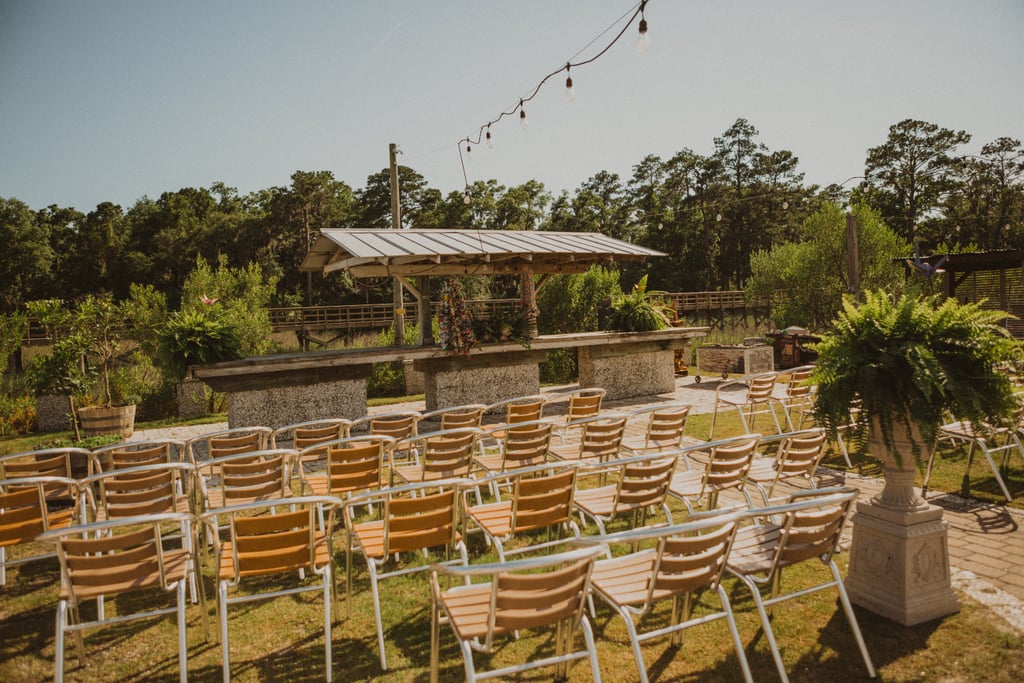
986 542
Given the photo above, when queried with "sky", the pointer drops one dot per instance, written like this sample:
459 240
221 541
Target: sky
115 100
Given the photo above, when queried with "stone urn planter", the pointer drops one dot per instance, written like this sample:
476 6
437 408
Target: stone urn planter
899 555
906 362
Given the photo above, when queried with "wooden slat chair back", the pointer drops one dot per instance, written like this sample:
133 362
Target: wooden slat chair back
676 563
245 477
25 514
304 436
516 411
759 399
600 440
665 429
400 426
541 498
440 455
796 458
115 557
353 465
415 517
534 593
807 527
66 463
267 539
524 444
798 402
136 454
582 404
641 484
454 417
227 442
718 466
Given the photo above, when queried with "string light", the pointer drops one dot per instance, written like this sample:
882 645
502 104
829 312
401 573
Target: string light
469 152
490 141
484 132
643 42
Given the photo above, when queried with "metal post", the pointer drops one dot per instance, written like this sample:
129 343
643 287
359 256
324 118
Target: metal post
396 223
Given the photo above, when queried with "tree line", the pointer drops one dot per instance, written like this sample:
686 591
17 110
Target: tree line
709 213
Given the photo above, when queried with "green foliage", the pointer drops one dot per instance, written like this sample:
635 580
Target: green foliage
59 372
640 311
570 303
146 311
17 414
559 366
102 325
805 280
504 325
198 337
241 295
12 330
909 361
454 319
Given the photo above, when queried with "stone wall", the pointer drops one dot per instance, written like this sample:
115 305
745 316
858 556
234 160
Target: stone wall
53 413
454 381
627 375
282 405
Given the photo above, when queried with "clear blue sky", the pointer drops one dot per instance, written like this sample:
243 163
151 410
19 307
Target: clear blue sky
116 99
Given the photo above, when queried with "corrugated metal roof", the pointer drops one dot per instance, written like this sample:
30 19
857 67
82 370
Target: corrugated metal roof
370 253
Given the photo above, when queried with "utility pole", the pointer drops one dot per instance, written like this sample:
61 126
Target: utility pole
852 256
396 224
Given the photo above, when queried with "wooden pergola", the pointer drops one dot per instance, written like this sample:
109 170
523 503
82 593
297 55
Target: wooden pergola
420 254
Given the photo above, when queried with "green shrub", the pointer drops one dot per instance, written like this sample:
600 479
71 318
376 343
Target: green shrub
197 337
639 311
17 414
559 367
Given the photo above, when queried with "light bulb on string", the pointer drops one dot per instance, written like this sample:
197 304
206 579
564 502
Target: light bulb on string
643 42
785 205
522 116
718 218
570 94
490 141
465 200
469 151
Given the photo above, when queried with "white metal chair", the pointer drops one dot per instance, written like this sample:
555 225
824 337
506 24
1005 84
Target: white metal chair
227 442
666 423
114 557
758 399
264 541
532 593
805 528
722 465
580 405
412 518
640 485
795 458
600 439
677 563
986 439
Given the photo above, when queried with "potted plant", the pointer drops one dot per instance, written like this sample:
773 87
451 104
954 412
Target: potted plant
903 365
640 311
196 337
102 325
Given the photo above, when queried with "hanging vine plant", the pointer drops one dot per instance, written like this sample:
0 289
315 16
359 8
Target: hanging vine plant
454 319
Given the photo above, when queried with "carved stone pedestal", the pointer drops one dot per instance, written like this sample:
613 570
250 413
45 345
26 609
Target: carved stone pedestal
899 559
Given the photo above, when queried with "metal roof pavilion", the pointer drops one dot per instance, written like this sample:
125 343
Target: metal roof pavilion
375 253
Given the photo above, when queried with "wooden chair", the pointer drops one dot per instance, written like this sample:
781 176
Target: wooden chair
541 498
988 440
677 563
758 399
581 404
640 484
719 466
246 477
516 410
137 453
412 518
455 417
62 463
115 557
533 593
664 432
805 528
266 541
600 440
796 458
438 455
227 442
351 465
400 426
150 489
25 514
522 444
799 397
304 436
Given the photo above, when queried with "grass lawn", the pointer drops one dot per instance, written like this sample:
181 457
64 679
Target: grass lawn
282 639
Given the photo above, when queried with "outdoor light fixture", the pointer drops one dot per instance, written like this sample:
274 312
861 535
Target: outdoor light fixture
490 142
522 116
570 94
469 151
643 42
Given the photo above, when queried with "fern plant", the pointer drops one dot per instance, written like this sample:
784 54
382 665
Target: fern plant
908 362
639 311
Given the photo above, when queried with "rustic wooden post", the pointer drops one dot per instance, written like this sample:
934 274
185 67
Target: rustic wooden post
396 224
852 256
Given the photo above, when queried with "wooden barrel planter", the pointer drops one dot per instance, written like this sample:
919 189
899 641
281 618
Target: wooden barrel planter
103 421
